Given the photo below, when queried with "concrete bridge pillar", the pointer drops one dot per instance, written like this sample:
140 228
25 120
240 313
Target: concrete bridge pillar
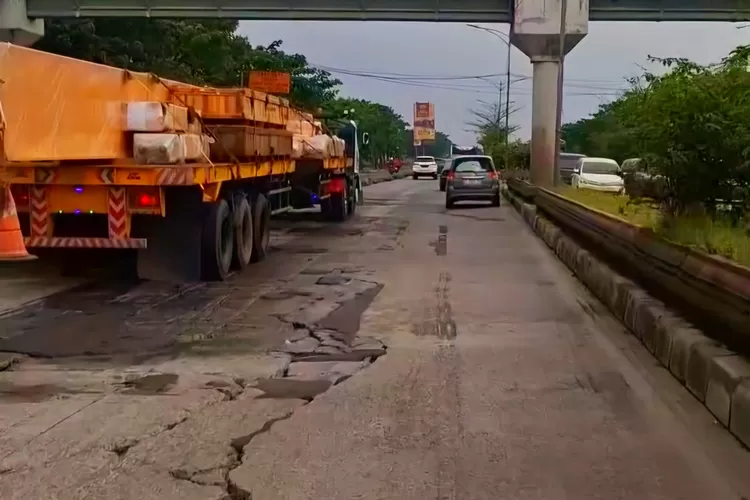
16 27
536 32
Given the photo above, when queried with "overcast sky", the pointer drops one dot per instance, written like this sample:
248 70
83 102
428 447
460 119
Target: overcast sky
594 72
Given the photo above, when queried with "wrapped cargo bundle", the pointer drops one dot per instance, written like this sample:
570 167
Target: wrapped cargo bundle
152 116
319 147
169 148
303 124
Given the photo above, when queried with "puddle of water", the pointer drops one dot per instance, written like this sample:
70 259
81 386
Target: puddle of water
28 393
151 384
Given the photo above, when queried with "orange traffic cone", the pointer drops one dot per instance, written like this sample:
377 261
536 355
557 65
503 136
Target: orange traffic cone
11 239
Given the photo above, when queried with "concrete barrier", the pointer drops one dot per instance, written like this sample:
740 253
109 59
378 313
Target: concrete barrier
716 376
369 178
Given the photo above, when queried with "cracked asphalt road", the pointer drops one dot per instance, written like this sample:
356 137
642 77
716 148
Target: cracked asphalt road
409 353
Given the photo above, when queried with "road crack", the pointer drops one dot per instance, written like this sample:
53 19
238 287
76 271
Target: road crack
238 444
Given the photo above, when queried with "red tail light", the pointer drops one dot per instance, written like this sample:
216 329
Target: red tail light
20 195
450 176
147 201
144 199
492 175
337 185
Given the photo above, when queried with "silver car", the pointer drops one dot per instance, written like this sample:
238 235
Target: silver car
472 178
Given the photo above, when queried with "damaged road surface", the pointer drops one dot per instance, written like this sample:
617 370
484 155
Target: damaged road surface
409 353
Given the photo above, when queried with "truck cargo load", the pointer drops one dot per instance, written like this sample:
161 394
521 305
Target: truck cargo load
187 176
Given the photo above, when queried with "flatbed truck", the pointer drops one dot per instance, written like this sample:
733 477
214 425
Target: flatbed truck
84 177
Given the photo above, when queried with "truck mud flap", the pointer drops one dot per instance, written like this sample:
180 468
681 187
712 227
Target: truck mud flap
174 242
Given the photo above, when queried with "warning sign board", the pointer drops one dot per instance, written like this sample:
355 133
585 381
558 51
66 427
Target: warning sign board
270 82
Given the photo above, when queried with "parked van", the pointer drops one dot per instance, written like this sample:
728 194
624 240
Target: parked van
567 164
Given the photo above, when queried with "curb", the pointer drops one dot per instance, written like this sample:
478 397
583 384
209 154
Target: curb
716 376
367 181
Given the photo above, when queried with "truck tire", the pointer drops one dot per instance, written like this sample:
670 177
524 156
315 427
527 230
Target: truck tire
339 203
244 236
261 228
352 204
217 241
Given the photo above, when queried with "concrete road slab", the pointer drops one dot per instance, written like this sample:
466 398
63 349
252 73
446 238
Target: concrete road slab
499 377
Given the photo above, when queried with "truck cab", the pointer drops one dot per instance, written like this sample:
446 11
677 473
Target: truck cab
349 133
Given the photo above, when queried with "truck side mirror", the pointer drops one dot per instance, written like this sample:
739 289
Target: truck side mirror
365 138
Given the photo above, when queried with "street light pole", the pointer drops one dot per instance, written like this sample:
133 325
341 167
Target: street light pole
560 81
503 38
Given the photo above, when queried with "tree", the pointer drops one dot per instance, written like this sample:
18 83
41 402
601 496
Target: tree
384 126
203 52
439 148
312 88
690 126
488 123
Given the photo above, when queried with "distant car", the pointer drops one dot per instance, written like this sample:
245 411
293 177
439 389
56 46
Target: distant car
598 174
444 174
472 178
567 164
424 166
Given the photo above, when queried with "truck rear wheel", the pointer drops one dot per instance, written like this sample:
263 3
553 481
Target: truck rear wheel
261 228
353 199
339 208
217 241
244 235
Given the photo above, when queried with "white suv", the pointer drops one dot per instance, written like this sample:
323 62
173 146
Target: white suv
424 165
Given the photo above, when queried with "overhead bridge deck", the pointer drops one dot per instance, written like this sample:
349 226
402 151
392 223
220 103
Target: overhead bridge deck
489 11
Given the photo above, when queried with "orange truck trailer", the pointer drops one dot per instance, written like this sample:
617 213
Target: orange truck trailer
187 176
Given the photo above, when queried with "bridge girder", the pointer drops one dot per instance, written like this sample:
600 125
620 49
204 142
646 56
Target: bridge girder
486 11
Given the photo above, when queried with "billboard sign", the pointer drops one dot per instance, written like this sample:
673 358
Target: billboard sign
424 121
270 82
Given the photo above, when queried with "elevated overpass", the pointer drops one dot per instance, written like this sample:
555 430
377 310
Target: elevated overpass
536 27
476 11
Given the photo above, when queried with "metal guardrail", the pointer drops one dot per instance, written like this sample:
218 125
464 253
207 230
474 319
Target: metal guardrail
711 291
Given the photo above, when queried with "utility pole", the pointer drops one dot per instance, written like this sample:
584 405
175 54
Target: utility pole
498 114
507 110
560 81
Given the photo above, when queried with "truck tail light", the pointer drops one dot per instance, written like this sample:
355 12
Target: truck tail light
20 194
144 198
337 185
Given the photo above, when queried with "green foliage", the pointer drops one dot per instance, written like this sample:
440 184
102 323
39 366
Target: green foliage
210 52
439 148
691 127
384 126
488 123
204 52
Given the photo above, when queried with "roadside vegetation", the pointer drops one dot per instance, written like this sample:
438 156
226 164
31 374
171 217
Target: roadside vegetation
210 52
511 155
691 129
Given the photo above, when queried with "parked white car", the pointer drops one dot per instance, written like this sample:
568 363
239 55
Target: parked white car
424 165
598 174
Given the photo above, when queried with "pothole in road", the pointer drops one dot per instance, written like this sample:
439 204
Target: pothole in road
320 271
151 384
304 250
28 393
334 279
321 355
287 388
284 295
439 321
